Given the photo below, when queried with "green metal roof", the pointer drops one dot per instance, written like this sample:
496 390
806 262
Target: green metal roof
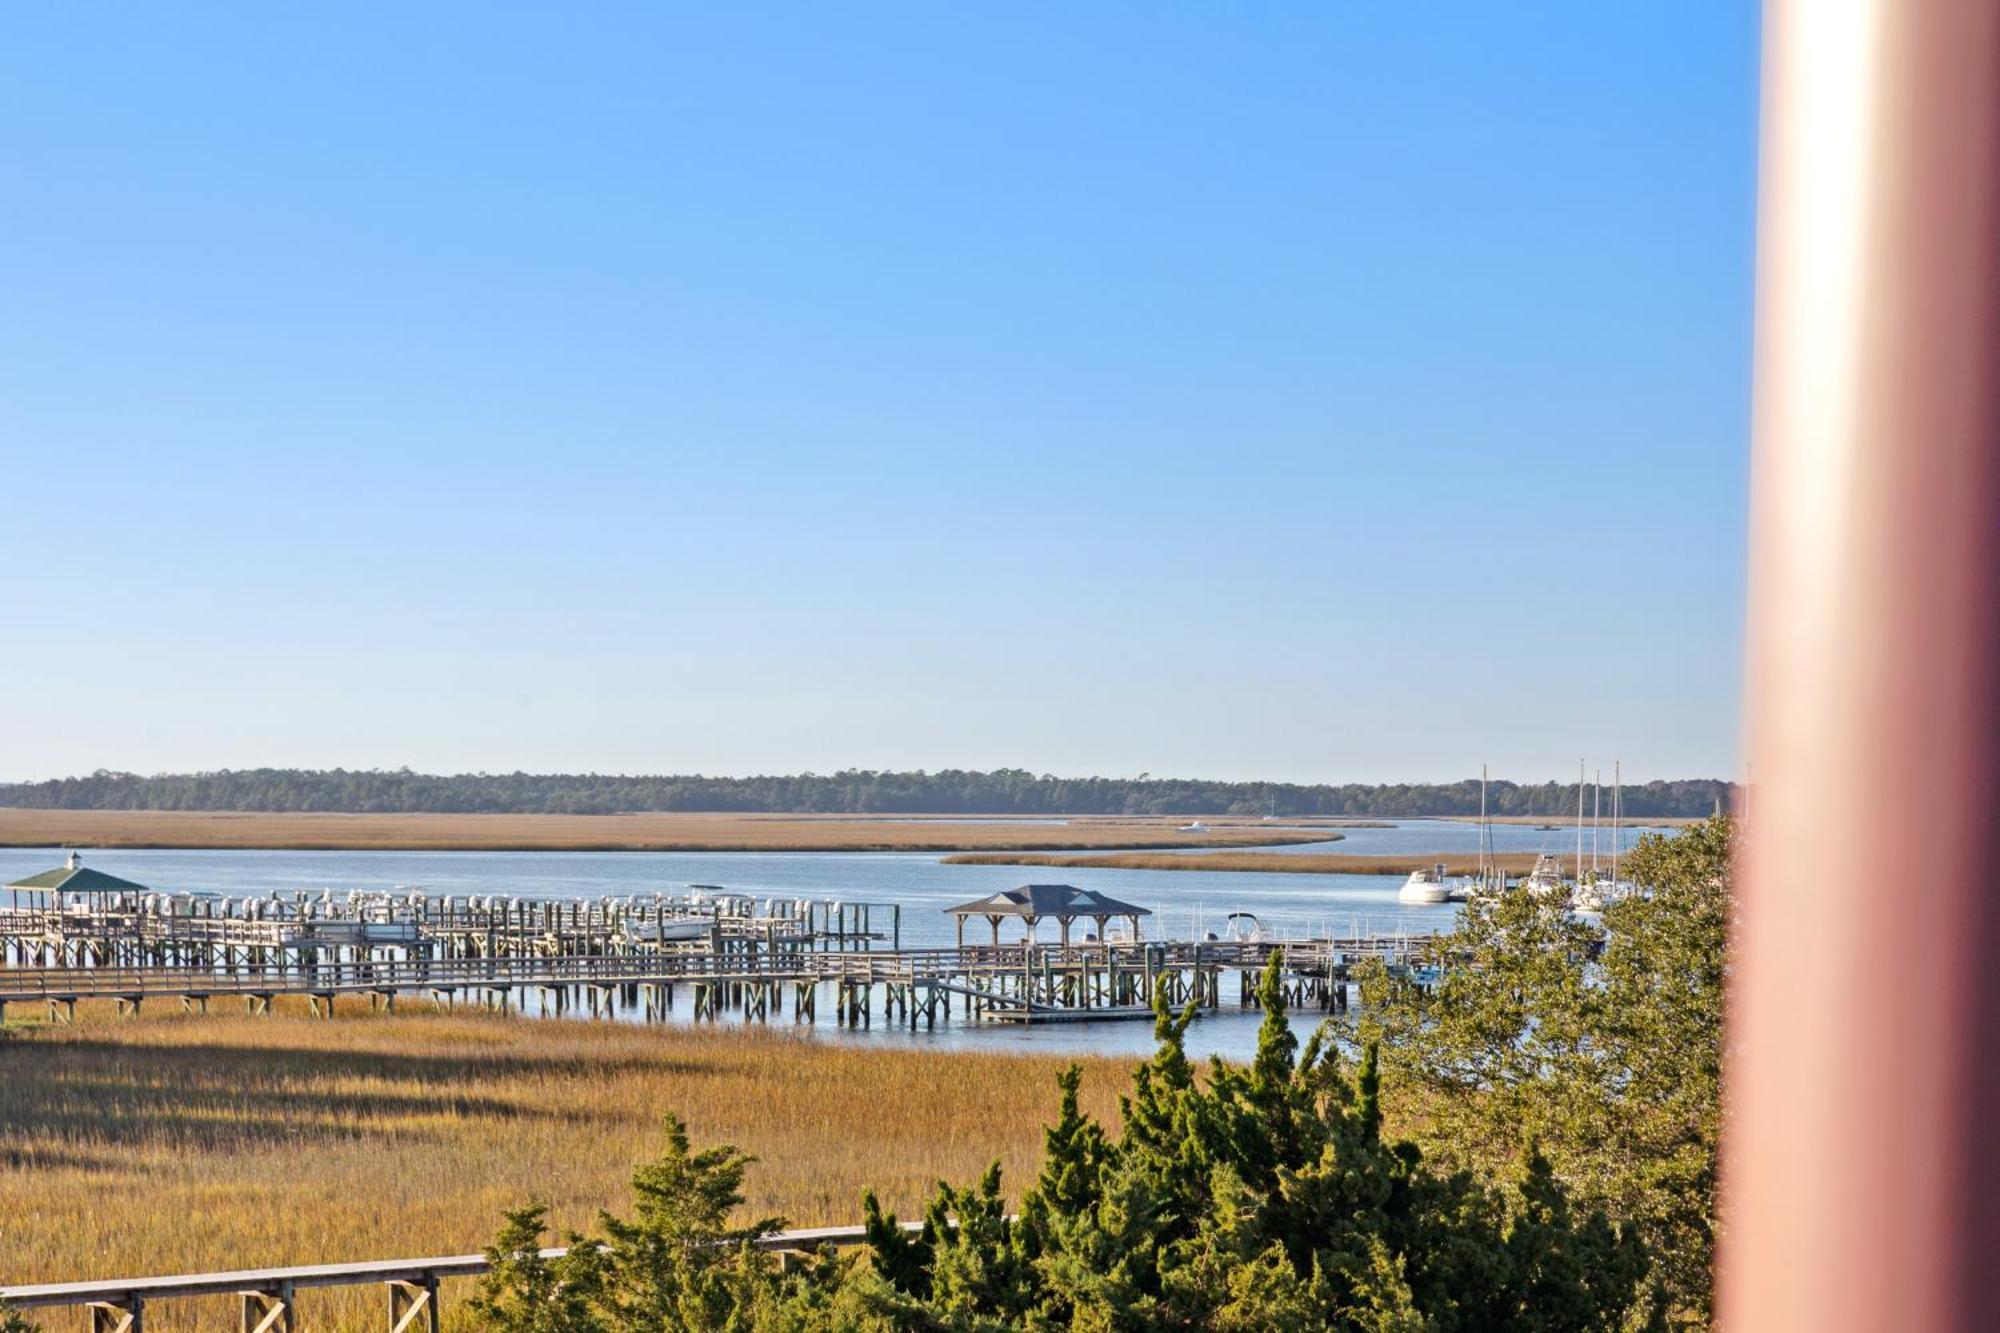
78 879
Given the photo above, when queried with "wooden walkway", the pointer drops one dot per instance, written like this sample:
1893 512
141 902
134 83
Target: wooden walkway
1015 983
269 1296
168 929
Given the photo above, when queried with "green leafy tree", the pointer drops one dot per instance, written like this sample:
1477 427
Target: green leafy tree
1596 1045
1664 971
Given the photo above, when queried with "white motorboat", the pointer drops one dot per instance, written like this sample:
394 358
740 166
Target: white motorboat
1425 887
676 929
1196 827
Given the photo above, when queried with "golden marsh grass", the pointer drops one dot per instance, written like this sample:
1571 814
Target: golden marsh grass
132 1147
1290 863
635 832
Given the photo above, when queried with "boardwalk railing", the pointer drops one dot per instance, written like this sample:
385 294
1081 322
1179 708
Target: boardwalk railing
29 984
269 1295
33 983
1034 983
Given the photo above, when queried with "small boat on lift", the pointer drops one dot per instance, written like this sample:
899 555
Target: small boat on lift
679 930
1244 927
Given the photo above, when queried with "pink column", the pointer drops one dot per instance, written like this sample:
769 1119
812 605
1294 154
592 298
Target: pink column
1862 1149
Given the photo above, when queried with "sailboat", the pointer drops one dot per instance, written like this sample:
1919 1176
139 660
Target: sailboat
1481 884
1489 882
1601 888
1591 892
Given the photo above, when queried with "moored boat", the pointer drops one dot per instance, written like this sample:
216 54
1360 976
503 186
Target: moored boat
1425 887
1546 879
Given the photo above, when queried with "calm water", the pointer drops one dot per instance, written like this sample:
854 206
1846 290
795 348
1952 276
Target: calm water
1184 903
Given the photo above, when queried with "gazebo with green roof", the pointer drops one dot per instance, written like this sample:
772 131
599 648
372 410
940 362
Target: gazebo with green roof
72 879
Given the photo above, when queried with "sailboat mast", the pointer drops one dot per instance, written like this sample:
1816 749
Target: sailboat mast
1482 826
1597 817
1617 817
1579 820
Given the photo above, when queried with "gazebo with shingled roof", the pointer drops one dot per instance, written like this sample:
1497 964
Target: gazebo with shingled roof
1032 902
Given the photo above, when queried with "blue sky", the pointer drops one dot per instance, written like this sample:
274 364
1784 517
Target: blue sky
1299 391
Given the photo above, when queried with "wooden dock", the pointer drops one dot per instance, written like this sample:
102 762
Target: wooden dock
628 955
182 929
1012 983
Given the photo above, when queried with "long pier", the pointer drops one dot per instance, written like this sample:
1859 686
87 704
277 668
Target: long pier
631 955
1017 983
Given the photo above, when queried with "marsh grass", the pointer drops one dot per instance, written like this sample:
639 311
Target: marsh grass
132 1147
633 832
1287 863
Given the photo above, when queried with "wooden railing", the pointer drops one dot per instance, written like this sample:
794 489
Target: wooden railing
33 983
66 984
269 1295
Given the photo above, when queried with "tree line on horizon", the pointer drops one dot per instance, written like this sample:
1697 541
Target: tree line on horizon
1008 791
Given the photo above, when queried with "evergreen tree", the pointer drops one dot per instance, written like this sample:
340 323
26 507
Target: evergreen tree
976 1269
677 1263
903 1260
1074 1152
1263 1198
523 1292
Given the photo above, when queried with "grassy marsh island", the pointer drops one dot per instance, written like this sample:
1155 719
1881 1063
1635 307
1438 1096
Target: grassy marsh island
1285 863
651 832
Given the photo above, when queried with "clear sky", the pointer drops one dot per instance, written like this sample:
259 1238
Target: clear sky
1305 391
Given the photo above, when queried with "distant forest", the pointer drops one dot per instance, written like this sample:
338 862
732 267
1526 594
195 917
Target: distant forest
1007 791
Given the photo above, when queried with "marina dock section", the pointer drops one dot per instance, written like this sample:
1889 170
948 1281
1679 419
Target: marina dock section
75 934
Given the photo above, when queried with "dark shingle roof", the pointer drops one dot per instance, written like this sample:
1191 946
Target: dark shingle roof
1039 900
